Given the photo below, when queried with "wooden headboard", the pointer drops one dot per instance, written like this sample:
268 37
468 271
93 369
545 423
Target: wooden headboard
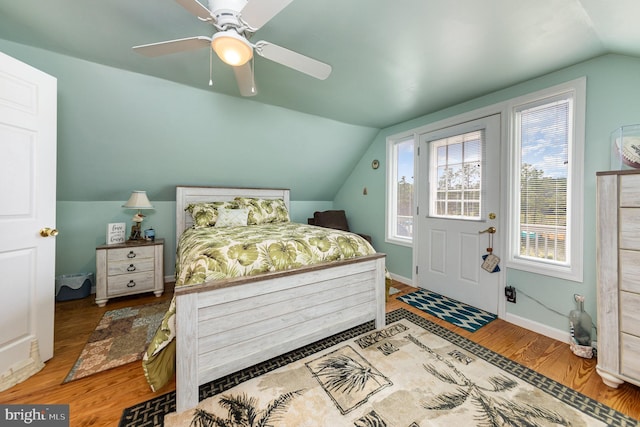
187 194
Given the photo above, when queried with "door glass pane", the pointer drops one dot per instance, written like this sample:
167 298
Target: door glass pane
456 177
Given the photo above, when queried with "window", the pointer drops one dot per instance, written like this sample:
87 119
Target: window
546 182
400 200
456 176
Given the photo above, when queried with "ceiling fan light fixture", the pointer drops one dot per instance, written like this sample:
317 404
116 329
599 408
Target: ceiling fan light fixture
232 48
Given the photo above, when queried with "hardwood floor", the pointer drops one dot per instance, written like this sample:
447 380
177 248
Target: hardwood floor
98 400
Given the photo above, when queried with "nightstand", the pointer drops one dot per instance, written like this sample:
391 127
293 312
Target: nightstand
129 269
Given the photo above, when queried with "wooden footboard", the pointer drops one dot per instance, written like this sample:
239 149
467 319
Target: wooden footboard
228 325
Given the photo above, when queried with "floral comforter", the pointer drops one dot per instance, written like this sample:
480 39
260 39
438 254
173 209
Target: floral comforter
212 253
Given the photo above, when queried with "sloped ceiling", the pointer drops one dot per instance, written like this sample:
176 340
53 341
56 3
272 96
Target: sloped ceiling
392 60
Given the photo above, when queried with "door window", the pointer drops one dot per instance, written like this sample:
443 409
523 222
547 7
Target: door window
456 176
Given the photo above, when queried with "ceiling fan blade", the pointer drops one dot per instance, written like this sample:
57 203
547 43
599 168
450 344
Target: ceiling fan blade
173 46
294 60
196 8
244 77
256 13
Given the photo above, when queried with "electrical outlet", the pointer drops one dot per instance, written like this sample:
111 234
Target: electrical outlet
510 293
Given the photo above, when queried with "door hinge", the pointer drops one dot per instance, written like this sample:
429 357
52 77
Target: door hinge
417 210
416 270
418 150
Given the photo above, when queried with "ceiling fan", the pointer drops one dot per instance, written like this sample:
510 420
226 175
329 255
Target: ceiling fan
235 21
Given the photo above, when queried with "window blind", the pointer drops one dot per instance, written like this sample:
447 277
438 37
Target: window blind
544 132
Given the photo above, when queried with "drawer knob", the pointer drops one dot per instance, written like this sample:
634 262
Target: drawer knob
131 284
131 267
131 254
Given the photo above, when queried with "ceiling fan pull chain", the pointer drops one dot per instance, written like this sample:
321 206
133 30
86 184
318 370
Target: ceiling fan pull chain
253 75
210 67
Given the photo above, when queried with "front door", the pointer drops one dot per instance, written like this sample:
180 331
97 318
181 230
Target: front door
27 205
459 200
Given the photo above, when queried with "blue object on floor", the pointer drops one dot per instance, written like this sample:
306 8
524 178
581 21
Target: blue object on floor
450 310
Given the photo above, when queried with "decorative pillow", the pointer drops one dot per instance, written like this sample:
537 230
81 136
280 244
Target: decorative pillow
264 211
232 217
206 214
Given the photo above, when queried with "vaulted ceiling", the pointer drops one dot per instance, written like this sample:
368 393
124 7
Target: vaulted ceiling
392 60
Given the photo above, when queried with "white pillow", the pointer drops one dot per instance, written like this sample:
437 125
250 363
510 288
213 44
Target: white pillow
232 217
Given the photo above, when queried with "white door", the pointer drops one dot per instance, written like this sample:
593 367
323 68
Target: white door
459 195
27 204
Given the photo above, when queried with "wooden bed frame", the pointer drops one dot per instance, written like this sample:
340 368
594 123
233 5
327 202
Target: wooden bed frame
231 324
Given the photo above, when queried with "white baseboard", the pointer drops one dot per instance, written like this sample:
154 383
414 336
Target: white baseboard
401 279
547 331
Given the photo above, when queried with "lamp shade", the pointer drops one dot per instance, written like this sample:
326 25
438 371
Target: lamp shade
231 47
138 200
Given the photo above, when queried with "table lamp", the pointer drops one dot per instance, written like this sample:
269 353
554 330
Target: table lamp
139 201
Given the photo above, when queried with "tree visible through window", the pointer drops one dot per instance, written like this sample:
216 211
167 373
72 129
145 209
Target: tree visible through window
404 224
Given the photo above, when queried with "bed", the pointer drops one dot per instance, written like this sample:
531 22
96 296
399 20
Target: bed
226 324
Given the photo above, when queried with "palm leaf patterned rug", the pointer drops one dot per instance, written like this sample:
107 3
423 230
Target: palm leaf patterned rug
411 373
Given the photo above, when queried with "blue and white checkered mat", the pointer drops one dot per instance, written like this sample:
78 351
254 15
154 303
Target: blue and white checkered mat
454 312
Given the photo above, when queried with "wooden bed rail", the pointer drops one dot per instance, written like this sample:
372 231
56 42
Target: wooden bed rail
232 324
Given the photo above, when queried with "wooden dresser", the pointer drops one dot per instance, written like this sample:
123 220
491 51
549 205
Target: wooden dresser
618 275
129 268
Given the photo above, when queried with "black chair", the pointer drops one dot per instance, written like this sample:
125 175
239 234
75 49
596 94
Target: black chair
336 219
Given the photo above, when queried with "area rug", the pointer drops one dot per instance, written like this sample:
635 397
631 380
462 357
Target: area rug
450 310
121 337
411 373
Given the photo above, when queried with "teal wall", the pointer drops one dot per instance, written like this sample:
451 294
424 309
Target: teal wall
83 226
613 100
119 131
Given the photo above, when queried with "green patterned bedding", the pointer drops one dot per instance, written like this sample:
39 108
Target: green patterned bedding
209 253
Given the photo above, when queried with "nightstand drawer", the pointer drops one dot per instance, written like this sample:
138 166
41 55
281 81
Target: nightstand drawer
130 254
129 283
130 266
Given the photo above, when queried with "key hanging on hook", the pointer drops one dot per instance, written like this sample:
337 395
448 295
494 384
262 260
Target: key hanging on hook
490 261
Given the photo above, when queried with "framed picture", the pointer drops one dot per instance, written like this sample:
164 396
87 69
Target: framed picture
116 233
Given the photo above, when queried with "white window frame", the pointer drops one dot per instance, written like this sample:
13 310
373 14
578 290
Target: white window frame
573 268
391 188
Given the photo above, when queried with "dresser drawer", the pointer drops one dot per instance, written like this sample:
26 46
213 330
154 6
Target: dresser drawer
630 313
630 356
630 190
629 228
134 265
130 254
630 271
131 283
